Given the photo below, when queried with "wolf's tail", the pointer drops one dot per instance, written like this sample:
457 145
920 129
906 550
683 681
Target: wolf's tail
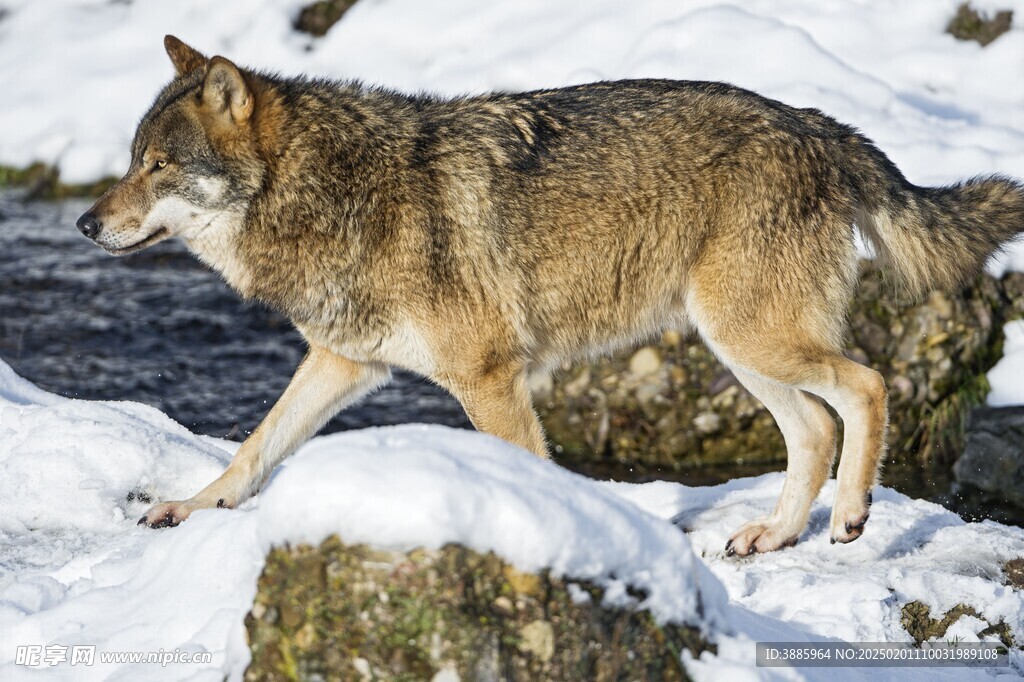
933 237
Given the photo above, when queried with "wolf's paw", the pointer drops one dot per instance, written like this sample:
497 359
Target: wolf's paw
849 514
166 514
761 535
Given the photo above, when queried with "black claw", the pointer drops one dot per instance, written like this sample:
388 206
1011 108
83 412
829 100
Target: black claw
220 503
729 549
832 541
790 542
167 521
859 526
141 521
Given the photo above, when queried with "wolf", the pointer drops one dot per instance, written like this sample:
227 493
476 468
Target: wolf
474 240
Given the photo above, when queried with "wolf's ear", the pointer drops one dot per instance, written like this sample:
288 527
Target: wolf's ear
185 59
225 90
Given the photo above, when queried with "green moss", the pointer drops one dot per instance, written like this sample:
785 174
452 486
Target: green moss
408 616
945 425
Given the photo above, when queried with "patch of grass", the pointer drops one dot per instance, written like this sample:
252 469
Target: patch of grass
944 428
969 24
41 181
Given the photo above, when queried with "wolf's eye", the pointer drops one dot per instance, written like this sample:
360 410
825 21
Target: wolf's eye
160 165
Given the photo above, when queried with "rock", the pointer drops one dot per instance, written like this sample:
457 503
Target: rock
673 406
353 612
644 362
538 638
540 384
969 24
707 423
1013 572
317 18
993 459
579 385
671 337
917 621
40 181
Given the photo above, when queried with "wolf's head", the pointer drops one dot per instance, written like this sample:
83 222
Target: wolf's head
194 166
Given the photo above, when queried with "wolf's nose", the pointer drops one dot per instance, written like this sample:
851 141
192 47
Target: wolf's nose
88 225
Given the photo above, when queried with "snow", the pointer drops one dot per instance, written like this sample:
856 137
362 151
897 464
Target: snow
943 109
74 568
912 550
1006 379
77 570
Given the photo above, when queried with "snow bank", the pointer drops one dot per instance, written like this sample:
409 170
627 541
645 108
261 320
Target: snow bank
912 550
1007 377
76 570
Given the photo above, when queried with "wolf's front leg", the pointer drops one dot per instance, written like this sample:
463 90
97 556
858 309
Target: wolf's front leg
323 384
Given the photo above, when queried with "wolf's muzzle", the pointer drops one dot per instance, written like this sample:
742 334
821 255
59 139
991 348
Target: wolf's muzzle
88 225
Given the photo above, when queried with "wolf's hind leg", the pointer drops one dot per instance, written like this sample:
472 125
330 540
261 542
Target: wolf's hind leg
858 394
323 384
810 435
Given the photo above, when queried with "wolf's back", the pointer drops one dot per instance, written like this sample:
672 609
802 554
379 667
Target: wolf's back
933 237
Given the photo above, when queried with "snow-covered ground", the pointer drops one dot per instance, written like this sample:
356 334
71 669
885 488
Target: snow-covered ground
76 570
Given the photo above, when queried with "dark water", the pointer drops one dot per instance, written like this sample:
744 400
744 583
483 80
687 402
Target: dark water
160 328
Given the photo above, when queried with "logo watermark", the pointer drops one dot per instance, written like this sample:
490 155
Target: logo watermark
51 655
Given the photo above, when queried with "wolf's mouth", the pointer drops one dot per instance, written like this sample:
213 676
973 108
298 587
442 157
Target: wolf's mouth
159 235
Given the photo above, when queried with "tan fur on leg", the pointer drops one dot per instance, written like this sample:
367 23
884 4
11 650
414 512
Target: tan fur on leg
323 384
498 402
810 435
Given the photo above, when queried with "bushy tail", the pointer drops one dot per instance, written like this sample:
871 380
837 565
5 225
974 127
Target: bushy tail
935 237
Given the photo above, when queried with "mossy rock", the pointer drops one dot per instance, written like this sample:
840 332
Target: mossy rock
1013 573
917 621
317 18
969 24
339 612
41 181
673 406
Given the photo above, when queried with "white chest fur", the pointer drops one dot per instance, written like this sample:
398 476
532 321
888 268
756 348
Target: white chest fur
216 244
